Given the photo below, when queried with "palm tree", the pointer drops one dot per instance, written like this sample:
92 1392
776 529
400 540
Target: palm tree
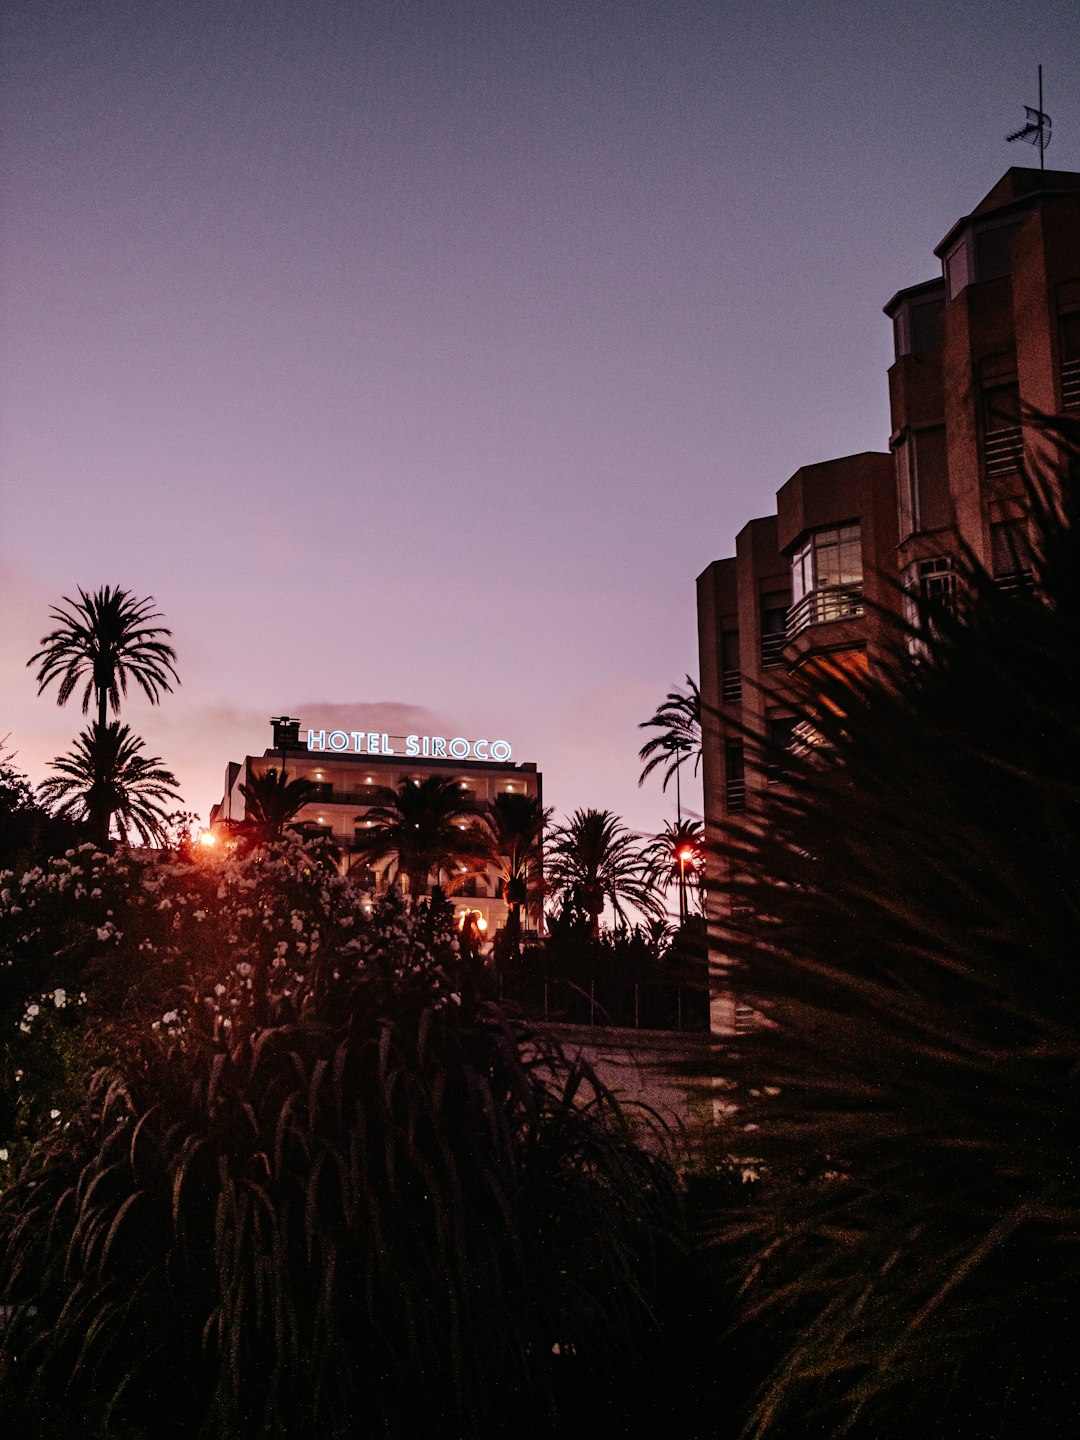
593 859
106 639
678 721
517 825
271 800
106 779
427 829
677 856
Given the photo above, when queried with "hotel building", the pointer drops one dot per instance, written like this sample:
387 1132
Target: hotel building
356 770
996 334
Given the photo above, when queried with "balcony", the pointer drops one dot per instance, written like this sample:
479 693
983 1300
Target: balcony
1070 385
772 651
730 687
820 607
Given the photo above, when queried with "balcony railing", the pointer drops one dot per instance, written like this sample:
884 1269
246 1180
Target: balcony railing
731 687
1016 582
1003 451
1070 385
772 651
819 607
735 792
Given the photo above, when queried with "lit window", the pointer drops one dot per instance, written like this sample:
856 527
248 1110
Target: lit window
826 578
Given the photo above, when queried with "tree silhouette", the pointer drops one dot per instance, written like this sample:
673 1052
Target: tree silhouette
517 825
105 640
592 858
427 829
678 723
271 800
105 778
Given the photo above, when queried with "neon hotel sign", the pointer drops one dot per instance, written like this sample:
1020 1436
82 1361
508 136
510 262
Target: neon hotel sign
434 747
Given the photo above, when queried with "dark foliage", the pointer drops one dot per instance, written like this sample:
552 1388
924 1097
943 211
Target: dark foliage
908 911
369 1205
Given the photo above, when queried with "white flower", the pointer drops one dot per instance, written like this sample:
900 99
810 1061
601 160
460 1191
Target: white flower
170 1017
59 998
54 1114
3 1152
33 1009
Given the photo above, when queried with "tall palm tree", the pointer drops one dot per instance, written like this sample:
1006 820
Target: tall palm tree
677 856
106 639
271 800
592 859
106 780
427 829
678 723
517 825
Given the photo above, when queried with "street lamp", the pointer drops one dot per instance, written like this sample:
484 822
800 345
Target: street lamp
685 857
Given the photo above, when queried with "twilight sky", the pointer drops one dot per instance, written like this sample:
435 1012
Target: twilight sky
418 354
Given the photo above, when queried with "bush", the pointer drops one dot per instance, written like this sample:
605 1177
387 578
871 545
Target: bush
333 1195
910 912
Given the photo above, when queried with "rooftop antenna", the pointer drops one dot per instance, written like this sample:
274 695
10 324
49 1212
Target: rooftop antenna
1038 128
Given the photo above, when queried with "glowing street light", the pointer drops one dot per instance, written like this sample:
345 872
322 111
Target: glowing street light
686 855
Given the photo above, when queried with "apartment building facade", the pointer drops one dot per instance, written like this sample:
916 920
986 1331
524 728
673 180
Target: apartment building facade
993 337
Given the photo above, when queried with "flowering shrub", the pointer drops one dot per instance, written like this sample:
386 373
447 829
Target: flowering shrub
103 954
318 1186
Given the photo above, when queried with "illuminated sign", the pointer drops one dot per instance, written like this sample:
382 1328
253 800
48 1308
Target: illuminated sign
433 747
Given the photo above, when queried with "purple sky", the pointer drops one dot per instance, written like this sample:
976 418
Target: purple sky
421 354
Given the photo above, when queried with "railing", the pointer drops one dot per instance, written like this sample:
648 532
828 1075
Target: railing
1070 385
620 1004
731 687
772 651
1003 451
735 791
819 607
1016 582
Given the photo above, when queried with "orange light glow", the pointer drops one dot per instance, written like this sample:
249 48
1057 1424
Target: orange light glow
206 837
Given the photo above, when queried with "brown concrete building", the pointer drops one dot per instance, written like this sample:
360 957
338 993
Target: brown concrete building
795 595
995 335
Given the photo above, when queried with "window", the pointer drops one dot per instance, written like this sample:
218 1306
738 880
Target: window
981 253
993 251
929 585
1003 441
730 668
1070 361
919 326
958 272
774 610
922 486
734 775
781 736
826 578
1010 553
